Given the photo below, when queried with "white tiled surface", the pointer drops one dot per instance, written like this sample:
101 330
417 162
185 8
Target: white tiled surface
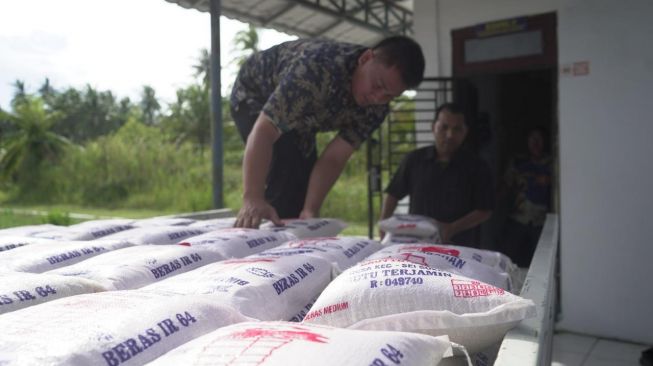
570 349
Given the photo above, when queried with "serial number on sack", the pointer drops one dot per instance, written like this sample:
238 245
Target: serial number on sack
398 281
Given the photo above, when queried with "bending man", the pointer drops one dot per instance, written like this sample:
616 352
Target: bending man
283 96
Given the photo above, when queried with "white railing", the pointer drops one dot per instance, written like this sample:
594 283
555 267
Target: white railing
531 342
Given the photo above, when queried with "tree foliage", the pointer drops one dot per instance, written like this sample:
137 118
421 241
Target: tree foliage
31 141
87 114
149 105
190 118
136 155
202 69
246 42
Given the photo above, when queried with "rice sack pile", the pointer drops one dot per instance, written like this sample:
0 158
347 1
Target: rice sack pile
391 294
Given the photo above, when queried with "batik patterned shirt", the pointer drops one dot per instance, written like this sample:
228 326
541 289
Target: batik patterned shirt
305 86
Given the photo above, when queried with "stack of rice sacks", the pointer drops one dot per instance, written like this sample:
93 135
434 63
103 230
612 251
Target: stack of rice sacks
163 290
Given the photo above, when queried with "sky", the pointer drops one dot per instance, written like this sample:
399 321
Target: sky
117 45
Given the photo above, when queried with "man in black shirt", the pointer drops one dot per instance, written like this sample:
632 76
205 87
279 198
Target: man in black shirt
445 182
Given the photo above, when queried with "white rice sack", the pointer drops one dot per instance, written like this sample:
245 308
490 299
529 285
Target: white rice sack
109 328
215 224
299 316
19 290
308 228
163 221
261 288
416 225
87 233
390 294
61 233
345 251
138 266
94 229
9 242
486 357
237 242
283 344
462 266
46 257
157 234
390 239
488 257
27 230
101 222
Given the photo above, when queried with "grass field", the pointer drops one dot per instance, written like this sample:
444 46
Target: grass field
10 219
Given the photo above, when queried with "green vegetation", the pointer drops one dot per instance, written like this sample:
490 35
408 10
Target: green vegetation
86 151
10 219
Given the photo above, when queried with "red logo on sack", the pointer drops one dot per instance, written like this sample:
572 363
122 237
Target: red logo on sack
434 249
463 288
406 226
410 257
310 241
288 335
260 344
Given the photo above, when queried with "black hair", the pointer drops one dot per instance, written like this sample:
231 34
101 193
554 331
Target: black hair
452 108
405 54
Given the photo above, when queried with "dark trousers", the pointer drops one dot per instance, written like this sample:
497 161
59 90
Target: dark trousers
290 169
519 242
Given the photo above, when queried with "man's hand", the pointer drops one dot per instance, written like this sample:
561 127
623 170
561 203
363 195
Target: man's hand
308 214
256 164
472 219
445 231
254 211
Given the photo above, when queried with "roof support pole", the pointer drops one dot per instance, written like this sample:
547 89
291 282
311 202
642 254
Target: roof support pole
216 105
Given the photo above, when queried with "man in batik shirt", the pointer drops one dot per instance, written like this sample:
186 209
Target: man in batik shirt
285 95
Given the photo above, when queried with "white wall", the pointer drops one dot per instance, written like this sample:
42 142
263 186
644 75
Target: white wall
606 145
606 149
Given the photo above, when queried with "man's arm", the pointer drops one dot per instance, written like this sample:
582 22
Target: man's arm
389 206
325 173
472 219
256 164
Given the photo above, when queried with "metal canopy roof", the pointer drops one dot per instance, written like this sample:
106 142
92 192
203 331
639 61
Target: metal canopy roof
356 21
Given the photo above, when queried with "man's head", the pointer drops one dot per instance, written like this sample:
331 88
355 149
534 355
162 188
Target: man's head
387 70
536 141
449 130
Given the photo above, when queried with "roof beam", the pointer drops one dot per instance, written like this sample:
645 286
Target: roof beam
330 26
383 25
279 13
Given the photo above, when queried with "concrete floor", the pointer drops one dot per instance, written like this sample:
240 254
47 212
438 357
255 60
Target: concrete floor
571 349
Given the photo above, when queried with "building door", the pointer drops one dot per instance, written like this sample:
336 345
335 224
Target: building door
512 65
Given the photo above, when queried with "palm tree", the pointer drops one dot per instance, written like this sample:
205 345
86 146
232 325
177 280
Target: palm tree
31 141
203 67
190 118
47 92
149 105
246 43
20 94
